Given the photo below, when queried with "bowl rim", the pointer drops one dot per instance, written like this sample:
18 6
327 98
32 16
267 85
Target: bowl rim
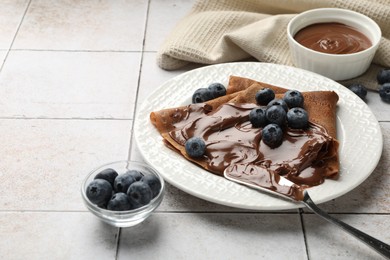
340 11
154 203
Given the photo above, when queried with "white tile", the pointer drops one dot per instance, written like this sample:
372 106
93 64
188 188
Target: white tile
3 54
163 17
326 241
214 236
11 14
43 162
373 195
55 235
135 154
83 25
69 84
176 200
153 76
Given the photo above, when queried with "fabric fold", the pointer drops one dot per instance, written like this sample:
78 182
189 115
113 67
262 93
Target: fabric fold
227 31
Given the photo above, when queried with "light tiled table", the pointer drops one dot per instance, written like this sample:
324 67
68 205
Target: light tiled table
72 75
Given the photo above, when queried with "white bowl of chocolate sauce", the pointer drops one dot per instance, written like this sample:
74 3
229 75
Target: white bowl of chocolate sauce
337 43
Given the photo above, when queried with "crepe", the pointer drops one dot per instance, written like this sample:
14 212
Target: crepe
320 105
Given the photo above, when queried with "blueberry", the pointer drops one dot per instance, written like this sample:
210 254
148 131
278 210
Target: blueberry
276 114
139 194
108 175
137 175
383 76
293 98
297 118
217 90
201 95
195 147
257 117
264 96
359 90
272 135
278 102
123 181
99 192
153 182
119 202
384 92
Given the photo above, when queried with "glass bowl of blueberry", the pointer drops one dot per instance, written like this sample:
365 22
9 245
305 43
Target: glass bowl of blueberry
123 193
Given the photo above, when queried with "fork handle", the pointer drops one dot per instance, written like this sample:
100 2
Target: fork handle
379 246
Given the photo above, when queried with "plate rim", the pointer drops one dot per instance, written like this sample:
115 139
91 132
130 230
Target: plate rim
289 205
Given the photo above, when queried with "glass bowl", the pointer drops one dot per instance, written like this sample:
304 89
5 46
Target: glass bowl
126 218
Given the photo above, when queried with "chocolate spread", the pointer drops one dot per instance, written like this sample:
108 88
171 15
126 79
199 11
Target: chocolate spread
332 38
232 141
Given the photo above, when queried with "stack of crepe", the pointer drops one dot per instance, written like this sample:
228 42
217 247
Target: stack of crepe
320 105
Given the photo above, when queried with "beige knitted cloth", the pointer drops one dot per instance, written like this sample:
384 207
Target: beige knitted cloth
218 31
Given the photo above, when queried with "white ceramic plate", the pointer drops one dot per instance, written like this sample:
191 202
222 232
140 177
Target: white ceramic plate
357 130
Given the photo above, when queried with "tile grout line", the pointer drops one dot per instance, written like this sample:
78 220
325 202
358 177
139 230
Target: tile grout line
135 108
66 118
139 81
16 33
194 212
90 118
304 234
97 51
350 213
117 242
191 212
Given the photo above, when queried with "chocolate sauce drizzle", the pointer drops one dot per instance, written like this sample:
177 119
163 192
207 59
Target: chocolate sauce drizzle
332 38
232 141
